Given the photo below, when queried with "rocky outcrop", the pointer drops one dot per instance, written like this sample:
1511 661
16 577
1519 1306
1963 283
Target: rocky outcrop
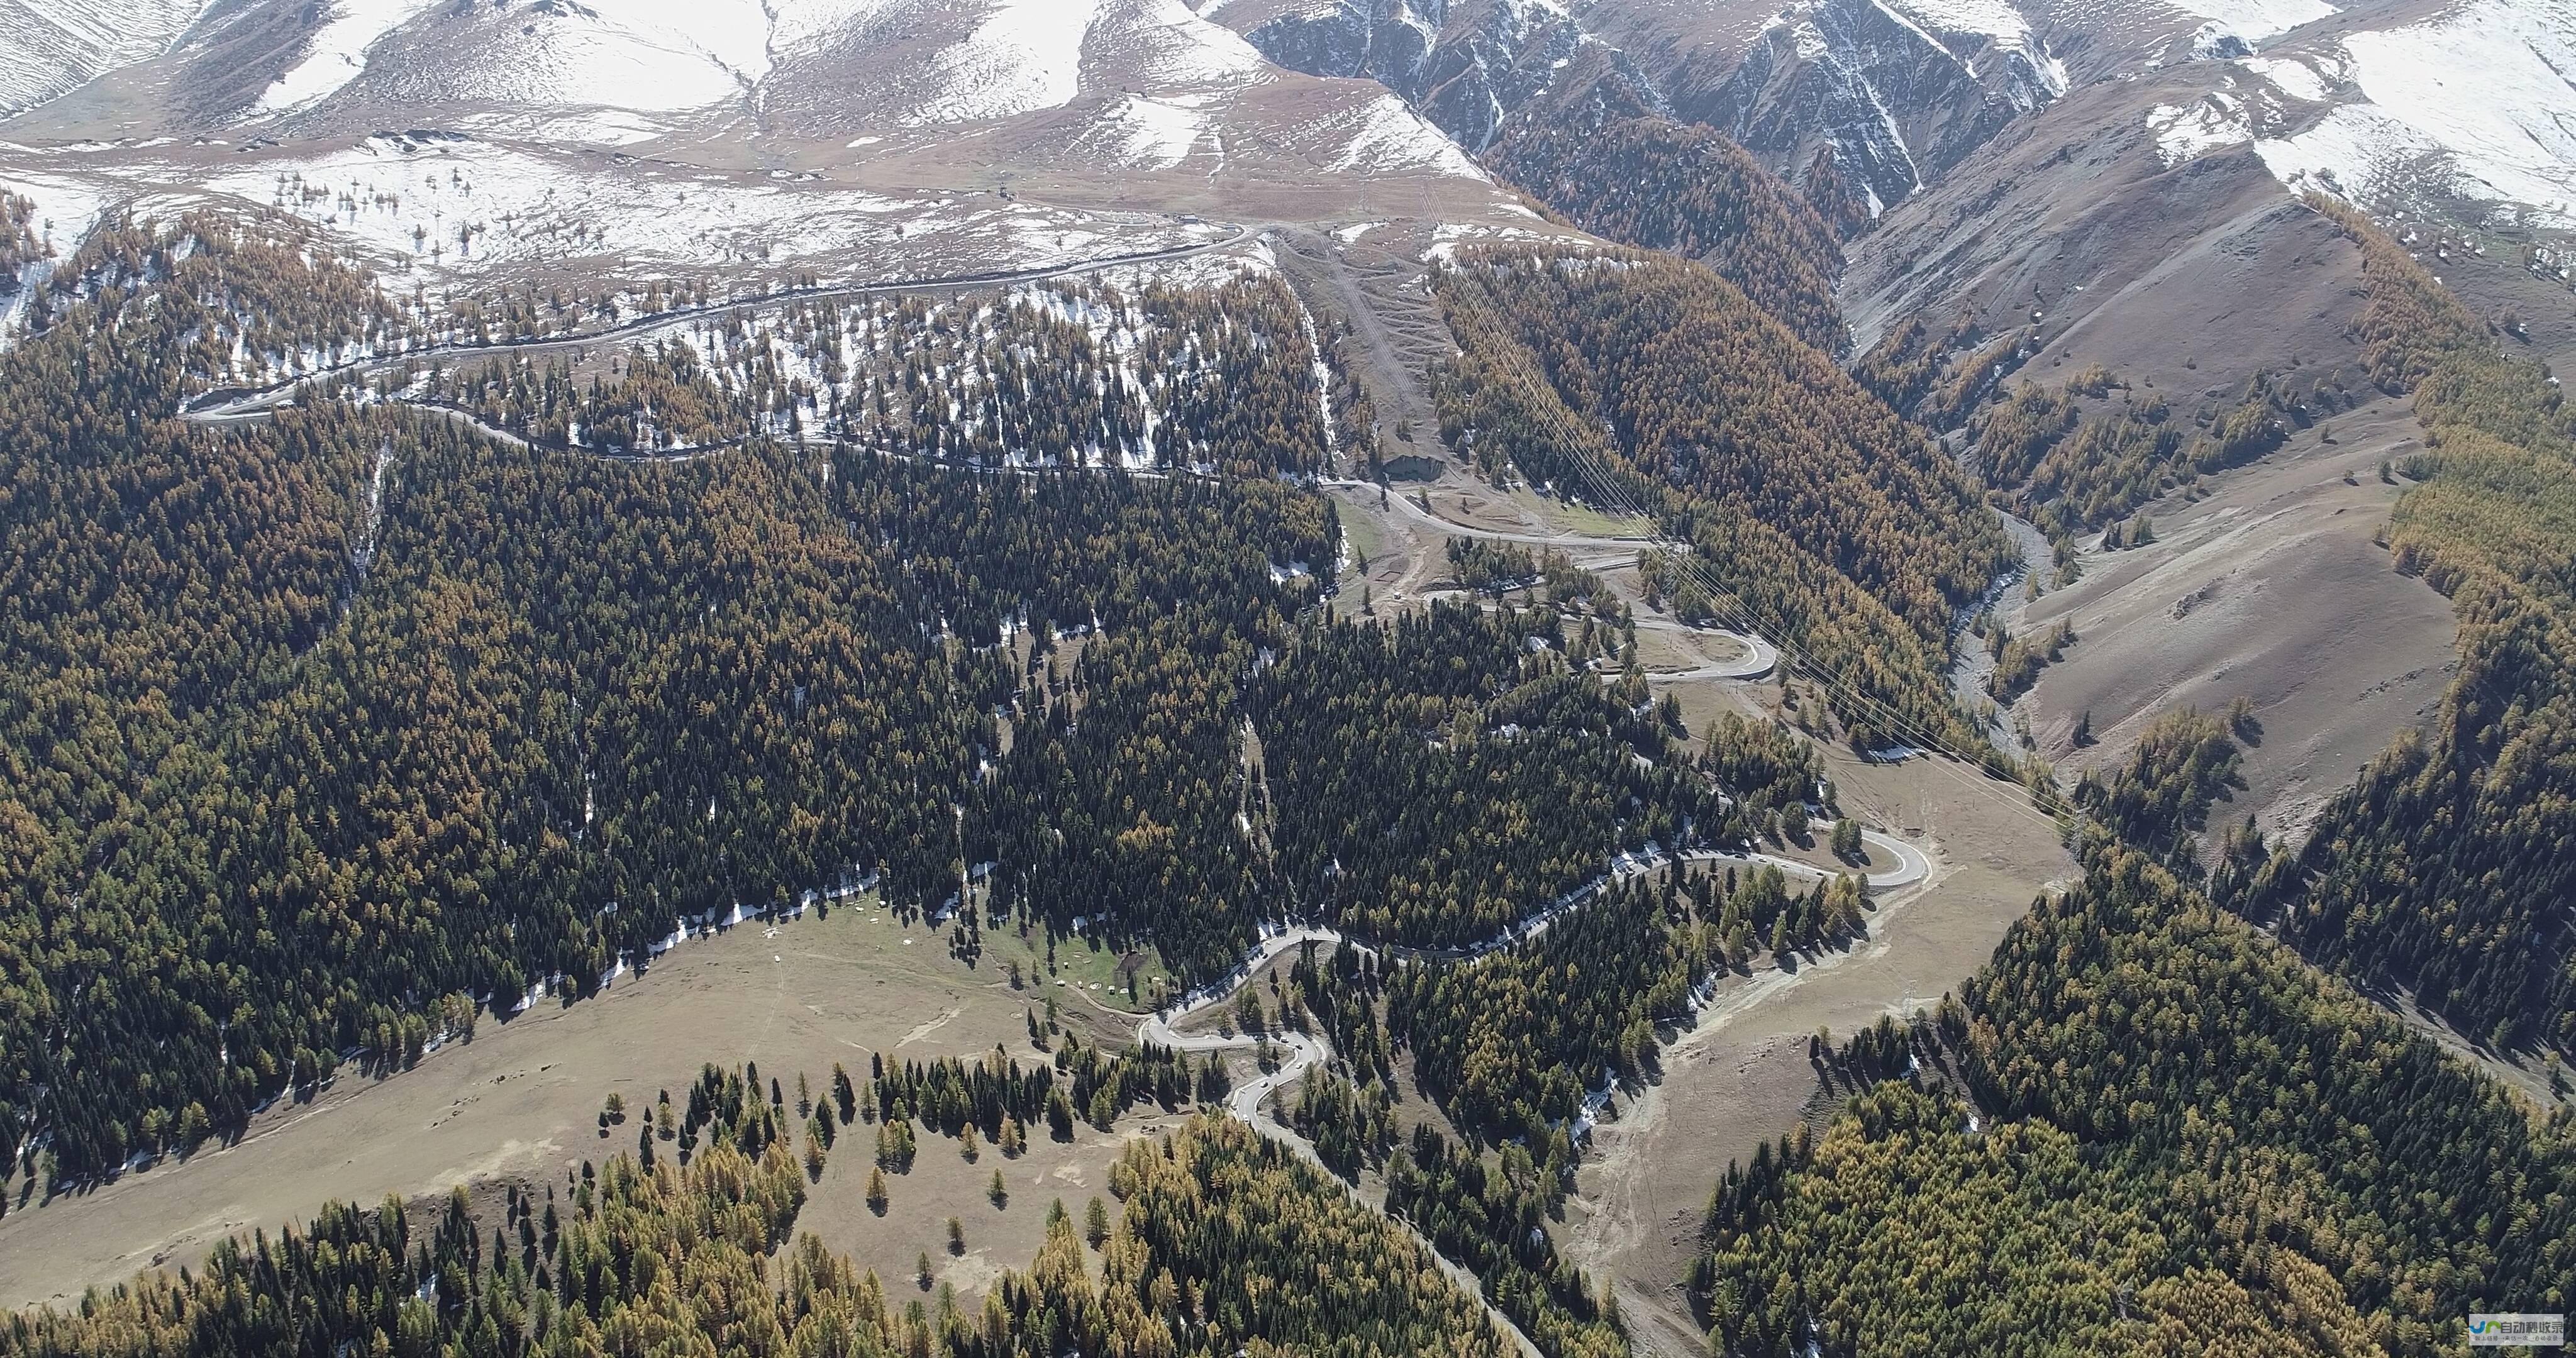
1467 65
1856 97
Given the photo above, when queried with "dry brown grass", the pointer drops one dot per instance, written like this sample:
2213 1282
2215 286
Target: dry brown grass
2271 589
1741 1077
522 1098
941 1184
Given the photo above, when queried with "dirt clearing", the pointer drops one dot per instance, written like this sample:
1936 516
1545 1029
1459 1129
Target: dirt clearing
943 1184
2271 589
1741 1077
523 1098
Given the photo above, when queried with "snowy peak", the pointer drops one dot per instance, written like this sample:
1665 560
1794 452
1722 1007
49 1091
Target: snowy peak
2472 106
602 71
641 56
2018 63
772 142
822 65
1890 92
1467 65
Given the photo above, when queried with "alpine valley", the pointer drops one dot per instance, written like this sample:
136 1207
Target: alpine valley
1361 677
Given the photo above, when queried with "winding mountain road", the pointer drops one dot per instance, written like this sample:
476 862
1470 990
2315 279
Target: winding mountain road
1912 864
1306 1051
1760 658
1591 552
228 405
1564 542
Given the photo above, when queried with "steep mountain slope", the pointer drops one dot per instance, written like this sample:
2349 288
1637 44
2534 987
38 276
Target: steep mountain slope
2187 273
1603 154
49 46
1467 64
2456 110
559 144
2470 101
2140 239
1894 97
1889 95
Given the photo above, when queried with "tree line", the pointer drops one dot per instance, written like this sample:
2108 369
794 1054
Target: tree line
1222 377
1625 171
2247 1157
19 243
1223 1244
312 726
324 733
1805 499
2446 868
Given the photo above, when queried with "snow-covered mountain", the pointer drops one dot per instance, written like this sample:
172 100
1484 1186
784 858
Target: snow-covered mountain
1466 64
48 47
2472 103
802 66
1892 91
2147 220
2112 156
1955 141
2368 95
841 139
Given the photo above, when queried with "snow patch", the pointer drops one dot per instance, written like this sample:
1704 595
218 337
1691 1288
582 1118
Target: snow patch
1390 136
589 127
66 210
798 23
2183 131
2255 20
56 45
1184 49
2295 78
1450 235
2003 27
450 211
336 52
1025 56
2356 151
1156 134
652 57
2489 84
2474 104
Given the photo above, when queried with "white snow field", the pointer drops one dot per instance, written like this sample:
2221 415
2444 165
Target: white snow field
2255 20
2474 101
48 47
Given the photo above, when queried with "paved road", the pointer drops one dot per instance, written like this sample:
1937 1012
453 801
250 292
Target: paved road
234 404
1912 866
1760 658
1305 1052
1270 949
1564 542
1593 553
